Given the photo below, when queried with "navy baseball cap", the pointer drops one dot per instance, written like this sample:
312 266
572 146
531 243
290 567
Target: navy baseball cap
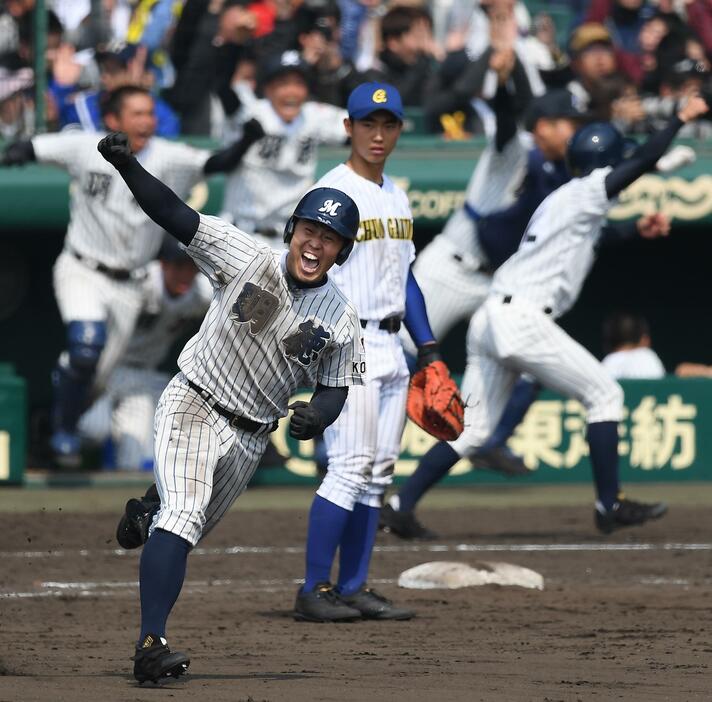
556 104
371 97
286 62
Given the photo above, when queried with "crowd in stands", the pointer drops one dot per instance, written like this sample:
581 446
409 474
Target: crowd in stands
628 60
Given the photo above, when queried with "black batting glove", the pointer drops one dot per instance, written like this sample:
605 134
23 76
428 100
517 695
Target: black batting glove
115 149
306 421
252 131
18 153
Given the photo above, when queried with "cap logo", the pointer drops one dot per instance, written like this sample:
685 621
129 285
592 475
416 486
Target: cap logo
379 96
330 207
290 58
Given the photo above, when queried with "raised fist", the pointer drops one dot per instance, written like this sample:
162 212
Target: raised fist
252 130
115 149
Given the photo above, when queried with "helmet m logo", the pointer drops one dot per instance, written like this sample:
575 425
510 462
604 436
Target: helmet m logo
330 208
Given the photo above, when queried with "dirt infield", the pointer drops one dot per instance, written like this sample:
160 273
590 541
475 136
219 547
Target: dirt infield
620 618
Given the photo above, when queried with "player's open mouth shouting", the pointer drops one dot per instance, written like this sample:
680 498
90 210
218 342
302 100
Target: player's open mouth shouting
312 251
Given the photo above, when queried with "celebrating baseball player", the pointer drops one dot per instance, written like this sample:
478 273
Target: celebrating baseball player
364 442
276 322
97 277
510 181
515 330
175 299
278 169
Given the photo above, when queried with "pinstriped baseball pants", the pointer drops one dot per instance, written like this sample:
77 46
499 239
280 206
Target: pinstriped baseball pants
202 463
504 341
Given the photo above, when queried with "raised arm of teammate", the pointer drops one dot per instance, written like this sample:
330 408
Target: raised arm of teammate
646 156
157 200
228 159
18 153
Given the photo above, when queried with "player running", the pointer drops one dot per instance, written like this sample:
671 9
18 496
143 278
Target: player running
98 275
364 443
515 330
276 322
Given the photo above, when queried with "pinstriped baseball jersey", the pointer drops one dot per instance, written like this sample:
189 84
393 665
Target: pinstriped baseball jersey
375 274
164 318
558 247
492 186
106 224
262 336
277 170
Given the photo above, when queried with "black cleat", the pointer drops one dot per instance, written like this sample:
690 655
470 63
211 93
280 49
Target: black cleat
627 513
373 605
154 660
404 525
501 460
135 522
323 604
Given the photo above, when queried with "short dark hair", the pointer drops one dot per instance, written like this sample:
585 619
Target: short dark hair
622 328
397 21
111 103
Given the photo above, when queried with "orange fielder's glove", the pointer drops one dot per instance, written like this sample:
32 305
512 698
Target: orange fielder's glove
434 402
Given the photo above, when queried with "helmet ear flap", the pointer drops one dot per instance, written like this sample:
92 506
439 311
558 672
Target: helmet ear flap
289 229
344 253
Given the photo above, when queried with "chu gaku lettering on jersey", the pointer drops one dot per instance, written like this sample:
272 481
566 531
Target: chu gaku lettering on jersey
375 274
262 336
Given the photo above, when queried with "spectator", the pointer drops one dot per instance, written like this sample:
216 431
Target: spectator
81 109
16 106
406 60
463 78
626 341
595 69
209 40
318 40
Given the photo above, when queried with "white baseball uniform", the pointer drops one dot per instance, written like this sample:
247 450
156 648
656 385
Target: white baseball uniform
108 228
261 339
452 270
640 362
514 331
260 195
364 442
126 410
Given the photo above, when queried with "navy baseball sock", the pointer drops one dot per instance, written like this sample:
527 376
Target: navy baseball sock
603 445
161 575
524 393
327 522
433 466
356 547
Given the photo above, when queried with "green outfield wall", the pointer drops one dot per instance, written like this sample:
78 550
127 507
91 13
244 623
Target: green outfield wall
665 436
433 172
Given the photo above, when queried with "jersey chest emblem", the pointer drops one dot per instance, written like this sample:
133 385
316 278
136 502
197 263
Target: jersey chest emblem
305 345
254 305
97 185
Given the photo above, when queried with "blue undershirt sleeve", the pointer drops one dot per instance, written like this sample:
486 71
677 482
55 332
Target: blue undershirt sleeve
416 316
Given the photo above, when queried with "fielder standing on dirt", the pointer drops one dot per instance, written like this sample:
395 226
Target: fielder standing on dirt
364 443
276 322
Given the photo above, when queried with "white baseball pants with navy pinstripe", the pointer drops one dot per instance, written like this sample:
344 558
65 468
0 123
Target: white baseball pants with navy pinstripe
505 340
202 463
363 444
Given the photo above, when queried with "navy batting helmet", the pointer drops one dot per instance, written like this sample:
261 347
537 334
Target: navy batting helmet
330 207
595 145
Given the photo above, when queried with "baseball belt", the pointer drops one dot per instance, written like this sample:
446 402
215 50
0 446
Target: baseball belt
236 421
